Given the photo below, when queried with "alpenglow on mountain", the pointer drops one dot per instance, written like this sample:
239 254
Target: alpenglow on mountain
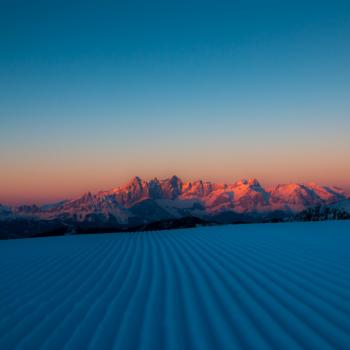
142 202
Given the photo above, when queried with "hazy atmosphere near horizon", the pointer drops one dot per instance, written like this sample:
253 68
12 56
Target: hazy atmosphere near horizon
96 92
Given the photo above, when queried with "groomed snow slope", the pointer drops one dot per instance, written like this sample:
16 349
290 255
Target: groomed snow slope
267 286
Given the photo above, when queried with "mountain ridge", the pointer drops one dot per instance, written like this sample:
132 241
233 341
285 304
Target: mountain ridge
171 203
177 198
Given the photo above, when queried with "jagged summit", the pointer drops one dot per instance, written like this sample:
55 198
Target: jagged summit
135 180
253 182
247 182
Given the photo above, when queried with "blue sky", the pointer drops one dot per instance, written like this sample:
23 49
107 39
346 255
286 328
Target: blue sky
95 92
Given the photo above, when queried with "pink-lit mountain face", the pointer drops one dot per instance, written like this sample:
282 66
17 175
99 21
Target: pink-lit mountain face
142 201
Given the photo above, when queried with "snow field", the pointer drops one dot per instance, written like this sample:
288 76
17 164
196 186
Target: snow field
264 286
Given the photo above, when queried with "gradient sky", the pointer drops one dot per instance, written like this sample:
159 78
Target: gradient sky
95 92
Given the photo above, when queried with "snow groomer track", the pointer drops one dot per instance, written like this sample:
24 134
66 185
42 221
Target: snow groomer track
265 286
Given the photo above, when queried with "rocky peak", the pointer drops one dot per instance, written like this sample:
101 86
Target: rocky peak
253 183
135 182
155 189
172 187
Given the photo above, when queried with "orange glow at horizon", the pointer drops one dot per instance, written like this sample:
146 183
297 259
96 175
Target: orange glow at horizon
46 182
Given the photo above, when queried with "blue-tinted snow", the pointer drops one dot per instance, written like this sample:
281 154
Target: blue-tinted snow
267 286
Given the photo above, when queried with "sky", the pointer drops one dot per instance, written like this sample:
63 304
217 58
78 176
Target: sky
93 93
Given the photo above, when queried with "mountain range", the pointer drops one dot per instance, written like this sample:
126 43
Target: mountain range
141 202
